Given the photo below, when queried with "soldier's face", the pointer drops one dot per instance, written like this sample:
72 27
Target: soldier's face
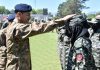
25 17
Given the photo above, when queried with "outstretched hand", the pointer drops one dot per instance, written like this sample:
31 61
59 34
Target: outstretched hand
65 18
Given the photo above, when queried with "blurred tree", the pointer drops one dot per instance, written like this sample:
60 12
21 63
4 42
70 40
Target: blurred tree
91 15
7 11
33 11
39 11
3 10
71 7
98 13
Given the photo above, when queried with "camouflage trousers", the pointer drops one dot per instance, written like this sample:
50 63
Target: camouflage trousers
63 54
18 63
3 58
96 55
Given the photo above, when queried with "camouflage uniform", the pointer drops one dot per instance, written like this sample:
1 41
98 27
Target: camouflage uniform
63 46
90 30
73 42
96 47
18 50
3 55
83 46
67 57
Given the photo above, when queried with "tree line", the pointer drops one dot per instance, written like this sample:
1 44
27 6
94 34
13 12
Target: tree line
3 10
74 7
65 8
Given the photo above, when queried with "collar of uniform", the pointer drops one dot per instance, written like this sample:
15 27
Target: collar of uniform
15 20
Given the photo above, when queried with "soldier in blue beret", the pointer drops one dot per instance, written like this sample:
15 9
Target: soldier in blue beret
3 54
23 8
3 48
10 19
18 33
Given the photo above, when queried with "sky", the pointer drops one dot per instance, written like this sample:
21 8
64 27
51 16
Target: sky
94 6
52 5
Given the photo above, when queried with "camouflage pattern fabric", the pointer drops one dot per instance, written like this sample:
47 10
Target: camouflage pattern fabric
80 56
67 54
96 47
74 45
90 30
3 55
63 47
18 50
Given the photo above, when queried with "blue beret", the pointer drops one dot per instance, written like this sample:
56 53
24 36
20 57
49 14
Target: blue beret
11 17
23 8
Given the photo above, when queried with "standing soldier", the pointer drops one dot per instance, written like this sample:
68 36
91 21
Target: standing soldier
17 37
63 46
3 48
3 55
96 42
75 45
10 19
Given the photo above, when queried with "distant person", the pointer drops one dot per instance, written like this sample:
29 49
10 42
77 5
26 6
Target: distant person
18 33
10 19
3 48
95 38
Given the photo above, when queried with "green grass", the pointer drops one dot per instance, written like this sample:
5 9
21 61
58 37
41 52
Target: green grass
44 52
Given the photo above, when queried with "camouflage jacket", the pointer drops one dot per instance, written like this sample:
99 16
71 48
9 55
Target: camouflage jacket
18 50
63 47
80 56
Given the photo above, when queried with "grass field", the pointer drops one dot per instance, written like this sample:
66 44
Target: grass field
44 52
